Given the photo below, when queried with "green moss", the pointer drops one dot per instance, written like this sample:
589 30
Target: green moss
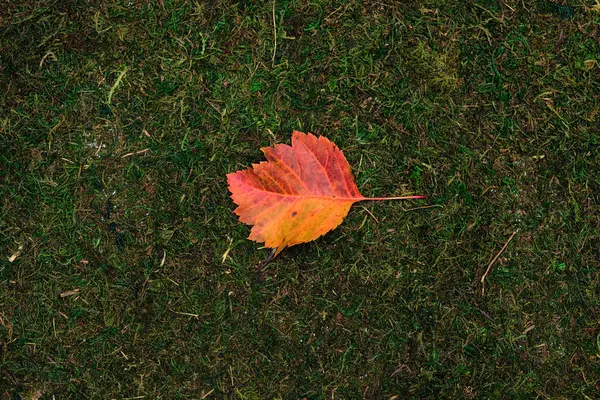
118 217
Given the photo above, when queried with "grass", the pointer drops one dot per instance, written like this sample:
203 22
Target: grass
120 120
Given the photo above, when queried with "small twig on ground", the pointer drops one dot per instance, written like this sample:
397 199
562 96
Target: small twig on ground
115 85
186 314
274 36
493 261
134 153
207 394
263 264
370 213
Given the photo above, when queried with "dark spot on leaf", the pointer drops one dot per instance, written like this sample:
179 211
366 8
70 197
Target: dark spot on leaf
294 213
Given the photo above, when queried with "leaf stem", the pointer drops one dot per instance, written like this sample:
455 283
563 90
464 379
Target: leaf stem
393 198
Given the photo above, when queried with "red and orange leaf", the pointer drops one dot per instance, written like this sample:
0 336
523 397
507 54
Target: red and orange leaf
302 192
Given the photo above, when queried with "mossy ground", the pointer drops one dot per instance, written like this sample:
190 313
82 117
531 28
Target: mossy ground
120 119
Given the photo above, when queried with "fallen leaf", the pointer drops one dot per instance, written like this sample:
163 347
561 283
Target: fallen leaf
302 192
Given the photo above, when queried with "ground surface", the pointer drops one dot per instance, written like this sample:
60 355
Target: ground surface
131 278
